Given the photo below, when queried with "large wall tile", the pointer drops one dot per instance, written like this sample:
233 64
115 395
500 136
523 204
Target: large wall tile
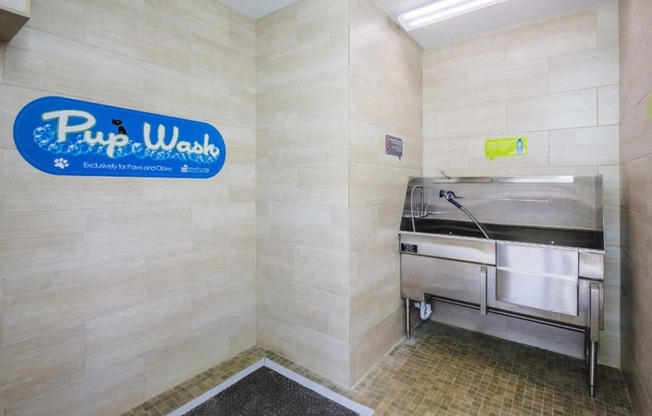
364 56
106 392
304 143
55 228
38 365
339 231
324 355
608 105
323 269
236 298
366 314
28 64
65 19
364 226
323 99
525 79
241 144
468 55
277 182
486 84
610 184
198 266
41 303
587 146
276 106
608 23
474 120
137 232
178 362
634 82
612 226
277 334
281 295
130 332
367 142
543 38
375 184
180 191
112 390
584 69
40 242
12 100
60 401
211 223
323 184
365 99
290 214
634 128
128 23
634 27
376 342
322 308
373 264
561 110
445 155
217 59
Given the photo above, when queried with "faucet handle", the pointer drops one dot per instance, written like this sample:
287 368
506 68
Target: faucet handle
448 194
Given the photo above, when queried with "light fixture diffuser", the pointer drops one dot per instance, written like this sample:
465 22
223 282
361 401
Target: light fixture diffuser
440 10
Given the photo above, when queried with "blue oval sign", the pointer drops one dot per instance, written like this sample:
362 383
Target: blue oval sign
63 136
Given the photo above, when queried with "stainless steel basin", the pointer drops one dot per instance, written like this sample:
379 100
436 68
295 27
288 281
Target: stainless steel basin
581 238
543 259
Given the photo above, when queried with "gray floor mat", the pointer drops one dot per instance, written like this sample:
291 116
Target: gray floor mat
268 393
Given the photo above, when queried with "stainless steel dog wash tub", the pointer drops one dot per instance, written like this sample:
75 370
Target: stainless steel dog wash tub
529 247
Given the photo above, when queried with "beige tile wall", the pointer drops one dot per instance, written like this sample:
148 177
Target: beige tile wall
555 81
115 289
21 6
302 186
333 79
636 171
385 98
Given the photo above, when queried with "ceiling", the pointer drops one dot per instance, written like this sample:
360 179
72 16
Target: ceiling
501 15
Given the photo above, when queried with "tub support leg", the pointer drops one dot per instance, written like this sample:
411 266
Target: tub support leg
594 334
593 367
587 347
407 318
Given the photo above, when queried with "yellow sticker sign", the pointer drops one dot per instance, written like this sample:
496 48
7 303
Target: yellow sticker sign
649 105
512 146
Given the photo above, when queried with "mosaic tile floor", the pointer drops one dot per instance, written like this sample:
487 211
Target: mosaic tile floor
446 371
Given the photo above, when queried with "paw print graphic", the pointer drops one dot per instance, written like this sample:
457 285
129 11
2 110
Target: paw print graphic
61 163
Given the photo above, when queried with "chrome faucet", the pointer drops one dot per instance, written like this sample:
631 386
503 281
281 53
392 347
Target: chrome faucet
422 212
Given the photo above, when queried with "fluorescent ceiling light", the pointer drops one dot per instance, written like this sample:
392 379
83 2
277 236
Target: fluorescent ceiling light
440 10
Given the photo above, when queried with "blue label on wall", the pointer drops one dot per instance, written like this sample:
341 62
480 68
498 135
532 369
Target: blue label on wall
63 136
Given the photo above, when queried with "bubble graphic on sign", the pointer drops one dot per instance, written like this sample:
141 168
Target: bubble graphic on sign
45 137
